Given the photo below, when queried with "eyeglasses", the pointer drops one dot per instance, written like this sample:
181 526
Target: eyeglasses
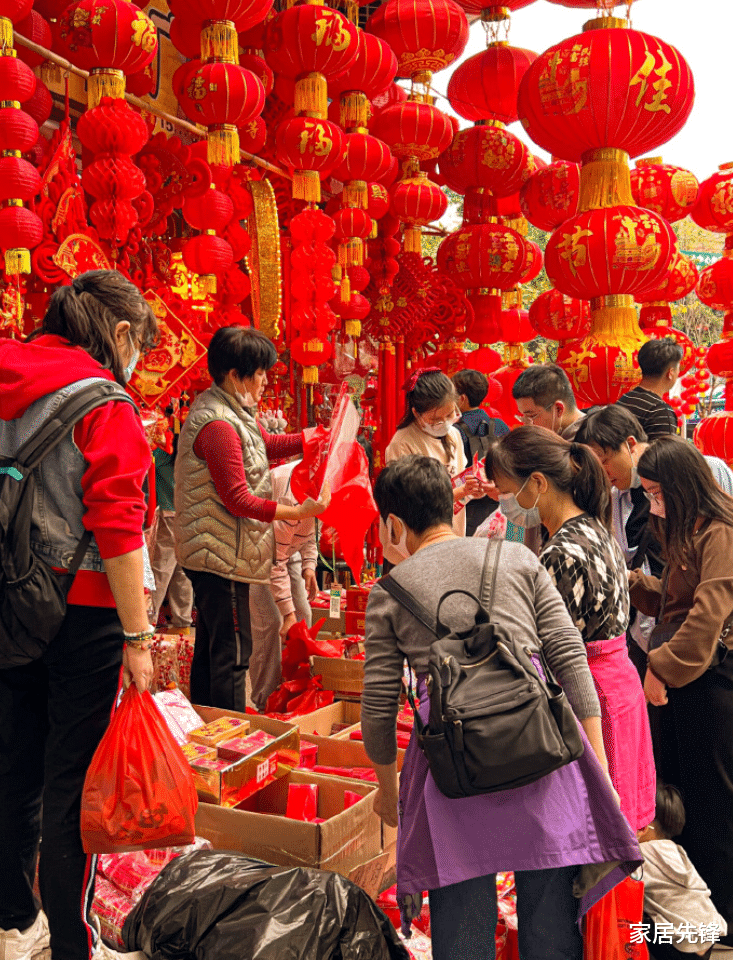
529 418
654 497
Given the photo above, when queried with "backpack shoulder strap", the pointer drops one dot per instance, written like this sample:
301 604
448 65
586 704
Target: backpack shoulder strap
493 546
53 430
409 602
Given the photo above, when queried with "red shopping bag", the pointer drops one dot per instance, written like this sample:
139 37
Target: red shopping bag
138 792
608 924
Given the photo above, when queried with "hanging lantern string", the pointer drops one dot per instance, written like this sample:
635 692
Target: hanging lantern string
141 104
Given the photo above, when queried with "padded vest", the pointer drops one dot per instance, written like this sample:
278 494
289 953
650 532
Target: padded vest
208 537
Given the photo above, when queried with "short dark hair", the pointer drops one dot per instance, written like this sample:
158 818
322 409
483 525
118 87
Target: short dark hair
670 810
610 427
657 356
472 383
545 383
416 489
87 311
243 349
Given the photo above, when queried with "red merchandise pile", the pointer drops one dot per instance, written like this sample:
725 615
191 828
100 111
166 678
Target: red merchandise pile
299 693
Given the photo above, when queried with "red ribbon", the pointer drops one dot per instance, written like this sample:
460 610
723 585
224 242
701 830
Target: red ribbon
410 384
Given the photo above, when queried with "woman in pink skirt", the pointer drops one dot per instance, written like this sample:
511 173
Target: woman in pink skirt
543 478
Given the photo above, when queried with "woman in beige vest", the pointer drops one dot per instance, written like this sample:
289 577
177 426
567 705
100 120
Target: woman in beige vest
225 510
427 429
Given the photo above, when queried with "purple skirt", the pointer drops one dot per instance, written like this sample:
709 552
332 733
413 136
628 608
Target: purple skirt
570 817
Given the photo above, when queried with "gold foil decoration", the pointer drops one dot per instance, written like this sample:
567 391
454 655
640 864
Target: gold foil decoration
263 259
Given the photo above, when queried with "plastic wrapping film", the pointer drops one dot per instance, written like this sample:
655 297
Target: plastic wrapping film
229 907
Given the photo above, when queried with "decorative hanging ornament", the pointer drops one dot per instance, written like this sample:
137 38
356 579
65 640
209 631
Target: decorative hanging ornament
669 191
485 87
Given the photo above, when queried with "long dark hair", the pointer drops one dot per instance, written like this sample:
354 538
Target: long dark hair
425 391
571 467
87 311
689 492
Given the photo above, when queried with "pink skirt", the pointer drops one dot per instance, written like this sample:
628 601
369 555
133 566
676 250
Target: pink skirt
626 735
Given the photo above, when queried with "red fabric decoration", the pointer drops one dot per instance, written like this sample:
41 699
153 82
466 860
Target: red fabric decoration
486 86
425 35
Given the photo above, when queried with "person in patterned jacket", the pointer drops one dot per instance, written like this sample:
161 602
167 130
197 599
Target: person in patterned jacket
563 485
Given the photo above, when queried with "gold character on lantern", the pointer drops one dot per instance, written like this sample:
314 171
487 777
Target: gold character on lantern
631 253
144 34
722 198
314 140
330 31
572 250
660 87
564 89
196 89
498 156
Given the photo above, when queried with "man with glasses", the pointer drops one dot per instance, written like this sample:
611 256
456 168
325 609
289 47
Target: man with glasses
545 399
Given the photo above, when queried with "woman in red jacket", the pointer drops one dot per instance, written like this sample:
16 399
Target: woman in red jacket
54 710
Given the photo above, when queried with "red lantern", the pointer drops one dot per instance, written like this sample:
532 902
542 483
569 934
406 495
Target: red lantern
669 191
561 107
714 208
485 156
714 436
20 229
368 76
211 211
486 86
377 201
535 262
142 83
208 255
550 195
17 80
34 28
365 158
516 325
485 255
618 250
16 10
715 288
557 317
18 130
310 352
425 35
414 129
680 279
38 106
245 14
260 68
417 202
253 136
352 222
493 10
312 148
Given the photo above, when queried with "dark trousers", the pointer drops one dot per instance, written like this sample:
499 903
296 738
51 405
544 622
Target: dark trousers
463 917
53 713
697 736
223 641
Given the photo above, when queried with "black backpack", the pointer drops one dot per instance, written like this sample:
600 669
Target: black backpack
32 595
479 442
495 723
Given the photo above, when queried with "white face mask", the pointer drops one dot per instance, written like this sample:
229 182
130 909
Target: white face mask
437 430
517 514
130 368
386 532
635 478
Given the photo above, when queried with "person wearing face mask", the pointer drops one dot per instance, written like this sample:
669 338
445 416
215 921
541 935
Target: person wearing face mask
689 675
562 485
225 511
428 429
55 710
545 398
563 829
618 440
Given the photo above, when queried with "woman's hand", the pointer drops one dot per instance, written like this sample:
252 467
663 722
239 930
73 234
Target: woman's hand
314 508
386 806
655 690
137 668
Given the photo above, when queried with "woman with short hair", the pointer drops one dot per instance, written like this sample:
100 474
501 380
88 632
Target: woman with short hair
690 673
563 835
225 510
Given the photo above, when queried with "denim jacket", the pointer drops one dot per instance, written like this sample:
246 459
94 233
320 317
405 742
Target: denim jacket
58 507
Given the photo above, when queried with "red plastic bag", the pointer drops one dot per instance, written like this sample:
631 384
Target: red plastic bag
607 933
138 792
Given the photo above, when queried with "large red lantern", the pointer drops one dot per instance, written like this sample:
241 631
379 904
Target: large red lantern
364 159
550 195
111 38
425 35
558 317
485 87
486 156
560 101
669 191
244 14
617 250
714 436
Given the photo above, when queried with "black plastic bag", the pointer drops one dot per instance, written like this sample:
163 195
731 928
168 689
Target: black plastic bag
210 905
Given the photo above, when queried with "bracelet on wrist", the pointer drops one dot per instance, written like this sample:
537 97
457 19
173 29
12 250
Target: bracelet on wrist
144 645
147 632
139 641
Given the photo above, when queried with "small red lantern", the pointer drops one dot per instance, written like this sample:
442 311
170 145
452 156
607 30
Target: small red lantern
486 86
17 80
617 250
669 191
38 106
18 130
417 202
485 156
714 436
368 76
550 195
208 255
557 317
485 255
34 28
311 352
253 136
365 158
414 129
377 200
312 147
681 278
561 107
715 288
714 208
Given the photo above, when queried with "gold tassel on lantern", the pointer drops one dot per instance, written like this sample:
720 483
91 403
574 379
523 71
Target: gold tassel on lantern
412 240
310 375
6 34
311 95
356 195
205 284
307 186
219 42
351 252
605 179
105 83
223 145
17 261
354 110
345 288
352 328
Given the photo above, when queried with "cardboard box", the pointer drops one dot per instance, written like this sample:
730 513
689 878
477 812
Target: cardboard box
321 723
344 677
335 625
338 752
259 828
240 780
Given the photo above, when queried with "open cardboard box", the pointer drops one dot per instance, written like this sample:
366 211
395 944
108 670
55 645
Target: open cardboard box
320 723
344 677
347 839
240 780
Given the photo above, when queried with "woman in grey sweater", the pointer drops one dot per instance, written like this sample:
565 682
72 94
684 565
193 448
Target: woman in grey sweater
563 835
